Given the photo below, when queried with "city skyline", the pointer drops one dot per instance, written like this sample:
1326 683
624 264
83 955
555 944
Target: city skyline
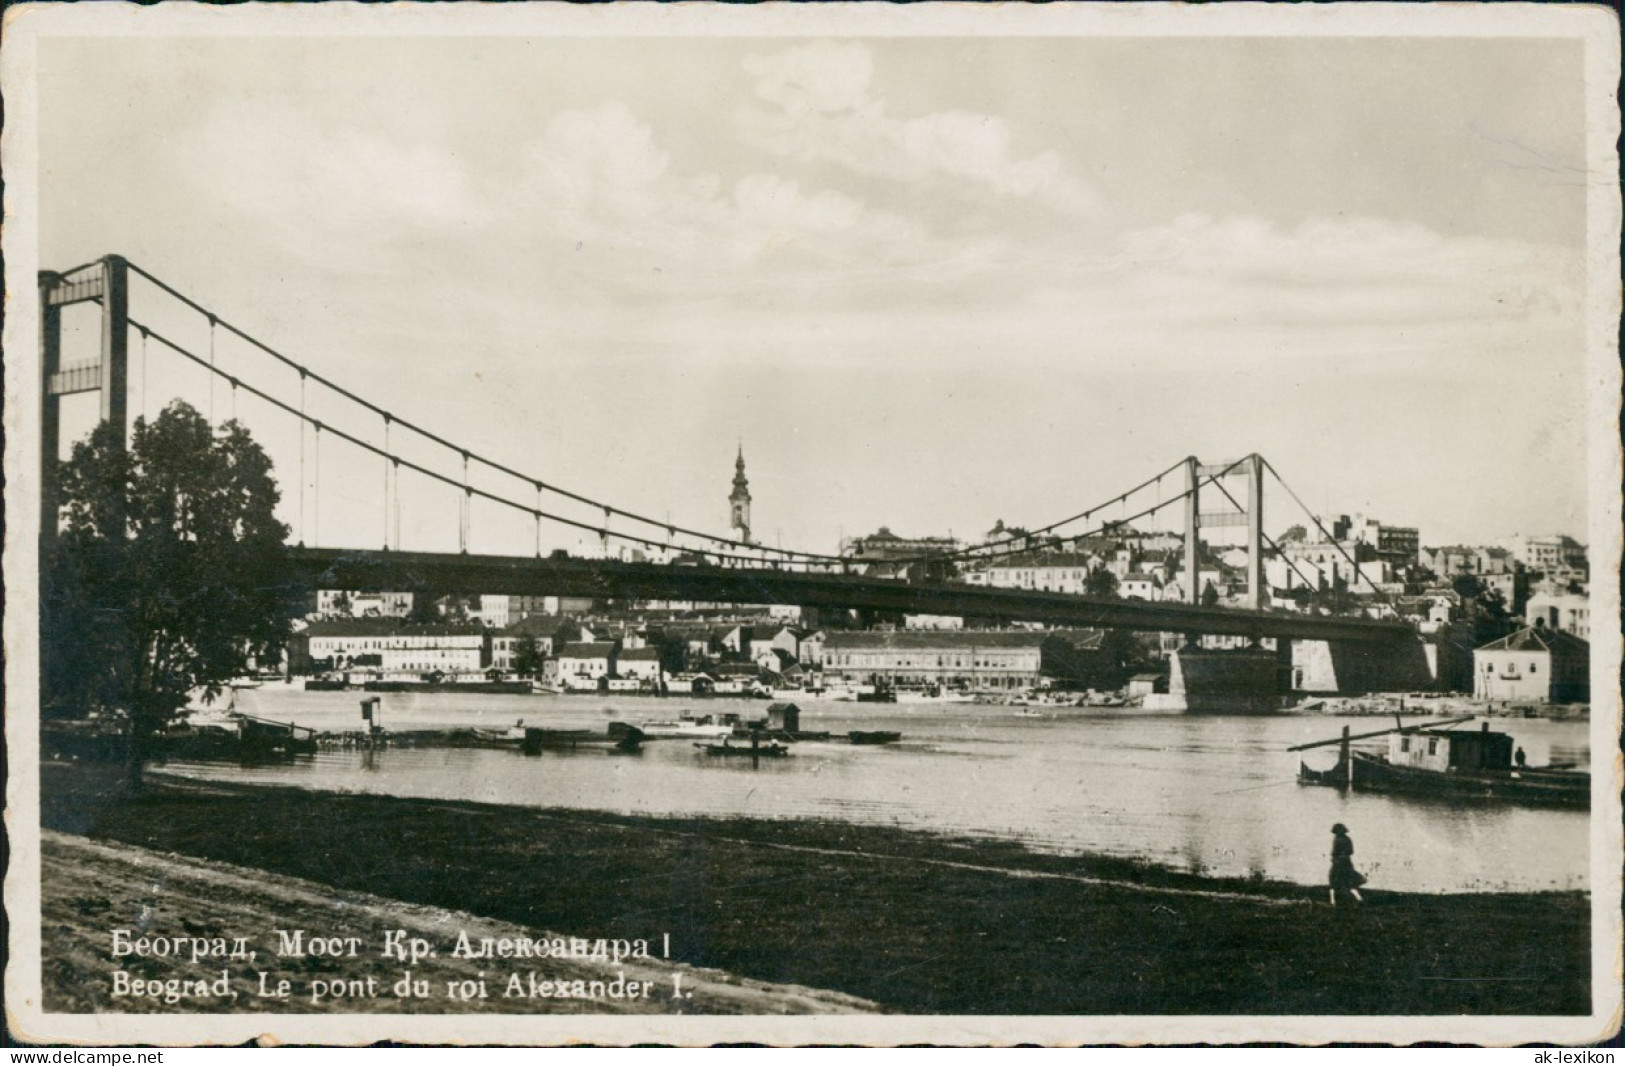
928 282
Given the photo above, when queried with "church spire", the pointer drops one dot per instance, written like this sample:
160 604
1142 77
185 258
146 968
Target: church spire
739 499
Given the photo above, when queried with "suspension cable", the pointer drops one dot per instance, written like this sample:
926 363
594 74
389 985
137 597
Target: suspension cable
1358 573
436 475
433 437
1267 538
986 548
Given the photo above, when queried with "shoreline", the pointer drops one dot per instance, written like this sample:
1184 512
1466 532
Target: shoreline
906 920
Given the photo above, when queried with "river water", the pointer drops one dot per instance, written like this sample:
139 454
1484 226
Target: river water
1196 793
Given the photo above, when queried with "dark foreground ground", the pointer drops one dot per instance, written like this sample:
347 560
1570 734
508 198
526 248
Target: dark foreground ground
909 921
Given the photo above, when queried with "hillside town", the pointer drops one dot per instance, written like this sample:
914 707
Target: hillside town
1506 622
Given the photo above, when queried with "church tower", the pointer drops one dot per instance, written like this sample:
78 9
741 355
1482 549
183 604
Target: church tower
739 499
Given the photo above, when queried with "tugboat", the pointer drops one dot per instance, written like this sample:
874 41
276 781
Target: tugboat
1434 760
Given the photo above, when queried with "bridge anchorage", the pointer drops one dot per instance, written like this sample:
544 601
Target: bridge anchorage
678 562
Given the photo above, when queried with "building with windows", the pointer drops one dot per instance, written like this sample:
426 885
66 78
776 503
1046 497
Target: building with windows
583 663
1537 664
548 631
1042 571
339 603
967 659
388 646
1552 553
1569 612
885 546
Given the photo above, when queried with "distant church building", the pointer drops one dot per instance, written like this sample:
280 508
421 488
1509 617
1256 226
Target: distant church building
739 499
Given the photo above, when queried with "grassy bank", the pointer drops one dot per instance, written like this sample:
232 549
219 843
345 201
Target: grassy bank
907 920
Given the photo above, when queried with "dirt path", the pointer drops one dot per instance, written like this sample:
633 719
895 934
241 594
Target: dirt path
91 888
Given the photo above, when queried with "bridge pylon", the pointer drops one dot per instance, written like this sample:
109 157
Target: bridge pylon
1250 515
107 282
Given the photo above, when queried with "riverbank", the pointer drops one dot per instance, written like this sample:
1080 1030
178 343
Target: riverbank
908 920
90 887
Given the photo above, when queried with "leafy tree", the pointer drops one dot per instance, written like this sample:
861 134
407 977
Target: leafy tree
1296 534
1100 582
169 573
1210 595
527 657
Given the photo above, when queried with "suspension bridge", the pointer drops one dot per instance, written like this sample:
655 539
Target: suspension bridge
672 561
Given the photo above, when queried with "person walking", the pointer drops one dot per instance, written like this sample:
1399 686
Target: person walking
1344 877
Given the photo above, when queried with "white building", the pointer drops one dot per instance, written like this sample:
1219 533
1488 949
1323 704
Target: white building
1569 612
585 661
340 603
386 646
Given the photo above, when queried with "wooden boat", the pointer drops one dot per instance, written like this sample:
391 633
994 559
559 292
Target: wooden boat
771 750
497 738
1433 760
873 736
538 740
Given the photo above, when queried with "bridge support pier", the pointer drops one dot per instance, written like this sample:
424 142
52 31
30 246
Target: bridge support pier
1350 669
1285 675
1224 680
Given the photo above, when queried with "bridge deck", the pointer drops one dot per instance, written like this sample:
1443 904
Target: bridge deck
494 574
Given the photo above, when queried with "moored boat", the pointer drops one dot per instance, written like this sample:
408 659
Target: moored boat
686 728
873 736
1433 760
771 750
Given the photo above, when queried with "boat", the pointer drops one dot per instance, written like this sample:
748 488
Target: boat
1435 760
686 728
512 737
877 693
873 736
626 739
771 750
510 688
231 734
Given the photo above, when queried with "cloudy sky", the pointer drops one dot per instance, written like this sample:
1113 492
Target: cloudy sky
927 282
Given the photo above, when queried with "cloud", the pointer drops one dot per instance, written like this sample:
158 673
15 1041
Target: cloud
606 181
823 110
1366 270
340 192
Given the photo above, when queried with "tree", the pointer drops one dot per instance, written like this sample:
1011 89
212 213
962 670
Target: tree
527 657
1294 534
1100 582
169 573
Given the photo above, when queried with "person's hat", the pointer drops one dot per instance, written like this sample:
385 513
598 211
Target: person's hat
1340 828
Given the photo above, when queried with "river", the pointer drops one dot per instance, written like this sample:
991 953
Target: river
1203 794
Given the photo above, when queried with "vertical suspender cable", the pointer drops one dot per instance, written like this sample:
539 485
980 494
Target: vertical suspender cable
142 413
538 516
386 482
211 369
302 484
316 494
395 516
463 517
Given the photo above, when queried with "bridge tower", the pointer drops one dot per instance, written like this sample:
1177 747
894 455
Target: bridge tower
1251 516
739 499
105 281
